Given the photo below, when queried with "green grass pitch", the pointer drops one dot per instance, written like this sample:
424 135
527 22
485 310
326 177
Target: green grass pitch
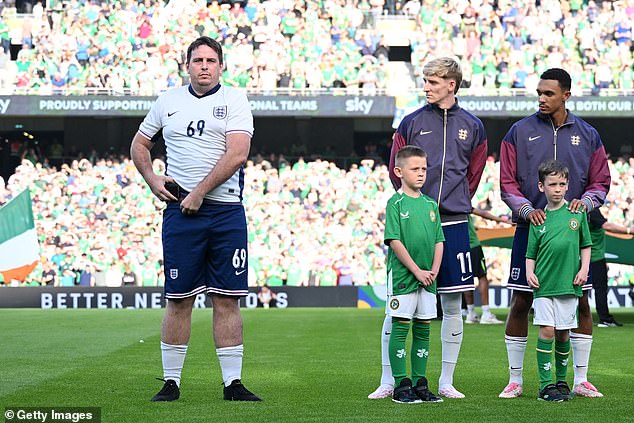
308 365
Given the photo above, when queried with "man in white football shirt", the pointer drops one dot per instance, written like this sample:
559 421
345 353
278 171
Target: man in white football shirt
207 130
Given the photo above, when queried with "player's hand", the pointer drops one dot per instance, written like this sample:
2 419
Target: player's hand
537 217
580 278
576 206
191 204
157 185
532 280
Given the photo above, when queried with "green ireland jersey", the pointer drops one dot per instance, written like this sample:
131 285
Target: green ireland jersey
597 234
598 243
555 247
474 241
416 223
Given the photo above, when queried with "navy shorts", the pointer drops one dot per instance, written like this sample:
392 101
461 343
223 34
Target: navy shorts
456 270
588 285
479 265
517 278
205 252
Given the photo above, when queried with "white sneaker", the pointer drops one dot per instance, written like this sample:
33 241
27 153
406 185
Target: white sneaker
512 390
383 391
490 319
450 392
472 318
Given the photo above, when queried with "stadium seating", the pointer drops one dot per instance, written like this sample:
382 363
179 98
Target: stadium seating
137 47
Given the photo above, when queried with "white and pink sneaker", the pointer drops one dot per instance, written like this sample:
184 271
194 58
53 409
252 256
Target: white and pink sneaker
586 389
448 391
512 390
383 391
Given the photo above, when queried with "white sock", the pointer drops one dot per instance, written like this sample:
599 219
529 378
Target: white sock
173 358
230 359
446 375
581 345
450 335
486 310
386 369
470 308
515 348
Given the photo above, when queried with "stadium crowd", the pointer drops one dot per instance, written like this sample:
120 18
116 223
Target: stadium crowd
310 222
137 46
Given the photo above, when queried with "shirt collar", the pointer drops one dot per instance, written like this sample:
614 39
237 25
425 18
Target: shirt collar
208 93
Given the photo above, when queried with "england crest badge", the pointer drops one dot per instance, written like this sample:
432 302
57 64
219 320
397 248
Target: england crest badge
515 273
220 112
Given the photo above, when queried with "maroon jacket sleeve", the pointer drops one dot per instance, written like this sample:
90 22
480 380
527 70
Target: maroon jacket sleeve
476 166
598 180
509 187
398 142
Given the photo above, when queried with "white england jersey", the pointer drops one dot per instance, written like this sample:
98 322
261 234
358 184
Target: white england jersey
195 130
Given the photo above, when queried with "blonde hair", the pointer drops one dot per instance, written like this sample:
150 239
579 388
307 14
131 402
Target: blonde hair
445 68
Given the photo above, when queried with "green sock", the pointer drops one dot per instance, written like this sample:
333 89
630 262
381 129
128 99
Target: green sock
420 350
545 362
562 352
398 356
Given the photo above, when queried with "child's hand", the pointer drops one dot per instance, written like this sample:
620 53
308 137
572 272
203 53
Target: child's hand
580 278
425 277
532 280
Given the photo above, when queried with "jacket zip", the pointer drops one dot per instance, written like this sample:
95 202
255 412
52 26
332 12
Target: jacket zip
444 154
554 137
555 134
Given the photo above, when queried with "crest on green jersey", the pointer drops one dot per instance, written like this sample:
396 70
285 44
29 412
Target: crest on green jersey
574 224
394 304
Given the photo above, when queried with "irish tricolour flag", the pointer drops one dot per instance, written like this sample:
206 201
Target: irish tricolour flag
19 249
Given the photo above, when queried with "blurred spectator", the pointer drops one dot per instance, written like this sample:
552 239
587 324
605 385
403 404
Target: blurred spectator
266 297
86 274
129 277
5 39
49 275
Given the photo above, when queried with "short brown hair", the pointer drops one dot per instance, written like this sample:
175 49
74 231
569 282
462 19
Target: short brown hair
205 41
552 168
407 152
